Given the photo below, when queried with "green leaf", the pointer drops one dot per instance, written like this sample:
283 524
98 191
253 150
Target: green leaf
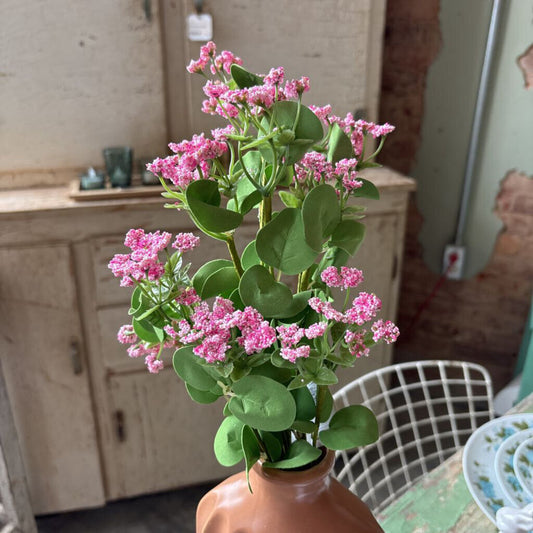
259 289
188 367
326 376
321 214
263 403
281 243
298 382
228 442
202 396
272 444
289 199
243 78
350 427
368 190
220 283
303 426
279 362
348 235
301 453
250 449
207 270
334 256
147 332
305 404
203 199
249 256
267 369
325 407
309 126
340 146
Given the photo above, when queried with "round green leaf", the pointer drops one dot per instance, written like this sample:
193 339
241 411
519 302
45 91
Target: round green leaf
325 407
301 453
368 190
309 126
249 256
250 449
227 445
201 396
281 243
340 146
263 403
272 444
350 427
203 199
348 235
188 367
321 214
260 290
305 404
220 283
147 332
206 270
303 426
243 78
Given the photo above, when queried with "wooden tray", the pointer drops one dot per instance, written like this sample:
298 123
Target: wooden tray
135 191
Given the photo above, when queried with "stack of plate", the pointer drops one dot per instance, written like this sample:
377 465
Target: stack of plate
498 463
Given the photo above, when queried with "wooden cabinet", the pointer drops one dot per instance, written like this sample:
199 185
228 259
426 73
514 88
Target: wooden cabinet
93 424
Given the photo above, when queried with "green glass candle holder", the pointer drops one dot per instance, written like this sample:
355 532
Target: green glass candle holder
93 179
118 163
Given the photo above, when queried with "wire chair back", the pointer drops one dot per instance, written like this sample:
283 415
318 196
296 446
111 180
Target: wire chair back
426 410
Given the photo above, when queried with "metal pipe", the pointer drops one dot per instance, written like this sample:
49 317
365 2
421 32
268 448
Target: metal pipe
497 6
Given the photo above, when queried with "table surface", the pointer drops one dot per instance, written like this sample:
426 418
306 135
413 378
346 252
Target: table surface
440 501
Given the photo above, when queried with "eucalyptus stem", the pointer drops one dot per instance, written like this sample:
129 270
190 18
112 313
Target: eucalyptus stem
261 444
265 211
303 280
320 397
230 241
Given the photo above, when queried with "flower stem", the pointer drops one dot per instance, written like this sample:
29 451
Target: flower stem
265 211
230 241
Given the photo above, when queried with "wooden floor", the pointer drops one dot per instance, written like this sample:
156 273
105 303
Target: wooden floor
169 512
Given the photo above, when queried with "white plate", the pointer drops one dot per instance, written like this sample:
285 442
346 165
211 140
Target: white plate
505 471
523 466
478 460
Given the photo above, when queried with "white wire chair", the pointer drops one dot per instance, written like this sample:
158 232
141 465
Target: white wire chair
426 410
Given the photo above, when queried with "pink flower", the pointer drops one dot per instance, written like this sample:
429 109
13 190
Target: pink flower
275 76
295 88
290 335
387 331
322 113
258 339
316 330
188 297
224 62
356 344
351 277
331 277
126 335
154 365
364 307
291 354
185 242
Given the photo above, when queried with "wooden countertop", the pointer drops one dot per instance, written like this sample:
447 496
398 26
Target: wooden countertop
41 199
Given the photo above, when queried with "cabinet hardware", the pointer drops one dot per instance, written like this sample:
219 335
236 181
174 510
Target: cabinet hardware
119 426
75 357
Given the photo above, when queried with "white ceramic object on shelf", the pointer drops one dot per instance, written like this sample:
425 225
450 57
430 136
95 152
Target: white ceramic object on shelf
505 470
523 466
479 456
513 520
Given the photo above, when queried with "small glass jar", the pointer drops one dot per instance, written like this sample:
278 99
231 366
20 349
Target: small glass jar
147 177
93 179
118 162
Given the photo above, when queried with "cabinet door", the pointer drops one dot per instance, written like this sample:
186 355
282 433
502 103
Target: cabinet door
41 352
163 439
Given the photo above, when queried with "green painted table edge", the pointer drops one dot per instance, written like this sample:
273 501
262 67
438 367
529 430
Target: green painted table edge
441 502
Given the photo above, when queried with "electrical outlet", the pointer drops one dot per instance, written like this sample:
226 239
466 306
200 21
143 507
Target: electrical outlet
456 255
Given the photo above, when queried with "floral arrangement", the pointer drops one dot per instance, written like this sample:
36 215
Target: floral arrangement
260 327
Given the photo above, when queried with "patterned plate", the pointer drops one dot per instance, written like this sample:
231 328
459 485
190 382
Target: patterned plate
505 471
523 466
478 460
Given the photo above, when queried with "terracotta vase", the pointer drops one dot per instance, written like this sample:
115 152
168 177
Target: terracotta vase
284 501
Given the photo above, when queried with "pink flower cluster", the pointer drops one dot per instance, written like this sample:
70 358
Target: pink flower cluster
143 261
150 354
314 167
345 278
387 331
213 329
355 340
185 242
355 129
191 157
292 334
218 63
364 307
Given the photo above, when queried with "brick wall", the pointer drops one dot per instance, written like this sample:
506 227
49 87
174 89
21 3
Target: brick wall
480 319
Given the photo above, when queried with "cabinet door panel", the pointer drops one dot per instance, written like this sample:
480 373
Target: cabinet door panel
163 439
47 381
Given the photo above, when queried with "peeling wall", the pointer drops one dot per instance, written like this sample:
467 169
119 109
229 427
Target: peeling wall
506 130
